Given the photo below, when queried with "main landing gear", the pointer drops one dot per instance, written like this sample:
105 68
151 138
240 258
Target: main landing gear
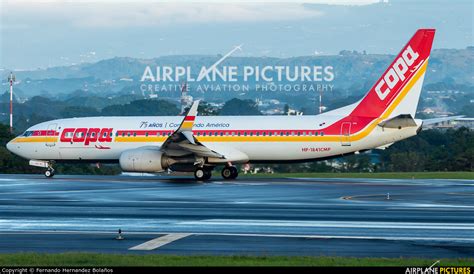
229 172
202 174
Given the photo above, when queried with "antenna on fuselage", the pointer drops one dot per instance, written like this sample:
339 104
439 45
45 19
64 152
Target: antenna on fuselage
11 79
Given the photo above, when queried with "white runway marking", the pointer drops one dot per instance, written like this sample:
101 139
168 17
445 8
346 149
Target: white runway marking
308 236
161 241
340 224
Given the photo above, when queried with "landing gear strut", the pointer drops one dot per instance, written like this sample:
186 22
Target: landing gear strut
49 173
202 174
229 172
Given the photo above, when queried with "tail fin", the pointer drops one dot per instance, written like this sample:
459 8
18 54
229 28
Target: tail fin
399 88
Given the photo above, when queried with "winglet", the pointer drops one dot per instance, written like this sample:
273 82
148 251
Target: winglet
188 121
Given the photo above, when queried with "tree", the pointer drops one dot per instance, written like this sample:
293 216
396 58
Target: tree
205 109
240 107
431 150
78 111
142 107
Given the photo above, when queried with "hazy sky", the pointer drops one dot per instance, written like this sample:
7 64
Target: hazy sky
59 32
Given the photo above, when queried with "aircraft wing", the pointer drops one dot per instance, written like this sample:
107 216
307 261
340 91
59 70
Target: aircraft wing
183 142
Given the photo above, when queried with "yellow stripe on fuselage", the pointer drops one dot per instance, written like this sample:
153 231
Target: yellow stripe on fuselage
38 139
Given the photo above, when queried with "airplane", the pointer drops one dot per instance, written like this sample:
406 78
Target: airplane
198 144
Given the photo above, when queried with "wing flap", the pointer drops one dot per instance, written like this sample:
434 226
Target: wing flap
201 150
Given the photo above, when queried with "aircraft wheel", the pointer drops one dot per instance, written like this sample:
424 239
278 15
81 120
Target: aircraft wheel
235 172
208 174
229 172
49 173
202 174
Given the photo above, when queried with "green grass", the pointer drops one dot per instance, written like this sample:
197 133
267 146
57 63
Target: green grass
380 175
93 259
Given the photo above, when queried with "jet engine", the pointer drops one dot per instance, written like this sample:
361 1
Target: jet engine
144 160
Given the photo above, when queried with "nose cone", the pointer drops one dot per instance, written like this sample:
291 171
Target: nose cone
11 147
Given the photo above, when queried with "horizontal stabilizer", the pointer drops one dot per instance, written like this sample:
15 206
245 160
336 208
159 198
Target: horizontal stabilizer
400 121
427 122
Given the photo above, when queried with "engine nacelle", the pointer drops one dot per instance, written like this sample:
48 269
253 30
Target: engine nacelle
144 160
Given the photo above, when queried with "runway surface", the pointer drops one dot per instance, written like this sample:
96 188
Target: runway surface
289 216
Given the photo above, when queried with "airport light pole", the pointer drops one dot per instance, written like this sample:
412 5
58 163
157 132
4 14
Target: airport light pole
320 102
11 79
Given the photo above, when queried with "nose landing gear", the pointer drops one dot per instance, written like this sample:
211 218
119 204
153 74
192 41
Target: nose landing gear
49 173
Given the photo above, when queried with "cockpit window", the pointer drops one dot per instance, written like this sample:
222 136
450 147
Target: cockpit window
27 133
